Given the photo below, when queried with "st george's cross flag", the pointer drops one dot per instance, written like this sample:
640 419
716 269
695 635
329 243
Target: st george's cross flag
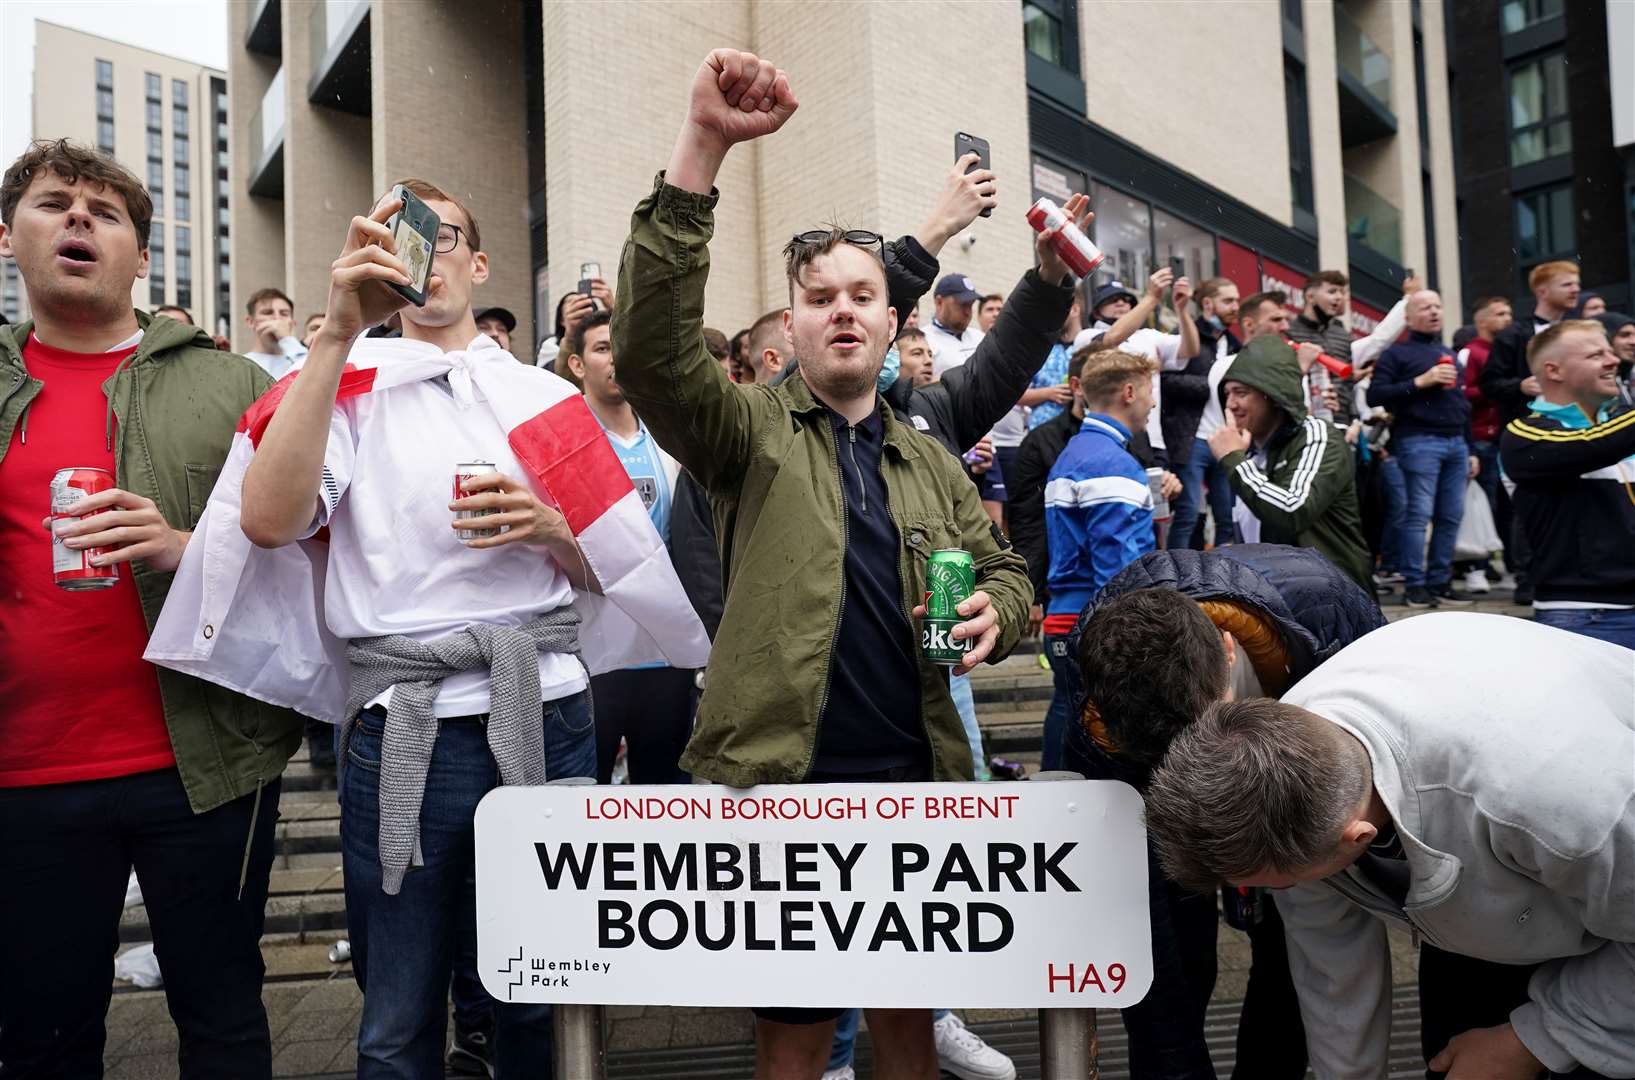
252 619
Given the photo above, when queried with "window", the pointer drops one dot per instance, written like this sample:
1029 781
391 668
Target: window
1299 120
1042 33
156 184
1544 224
156 142
156 115
1191 243
105 106
154 84
179 149
1292 13
156 266
178 93
1539 126
1123 228
156 145
1520 14
184 265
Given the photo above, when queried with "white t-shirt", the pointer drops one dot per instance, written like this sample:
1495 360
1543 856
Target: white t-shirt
949 350
396 566
1214 417
1154 345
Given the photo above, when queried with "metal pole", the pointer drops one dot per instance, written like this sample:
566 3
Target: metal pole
578 1052
1066 1036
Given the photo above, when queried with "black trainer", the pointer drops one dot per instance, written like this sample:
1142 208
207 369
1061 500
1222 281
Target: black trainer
1418 596
471 1054
1445 595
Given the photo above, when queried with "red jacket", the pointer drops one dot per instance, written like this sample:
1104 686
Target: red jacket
1484 414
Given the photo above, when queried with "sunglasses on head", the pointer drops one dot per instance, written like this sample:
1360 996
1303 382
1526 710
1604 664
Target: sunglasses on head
856 237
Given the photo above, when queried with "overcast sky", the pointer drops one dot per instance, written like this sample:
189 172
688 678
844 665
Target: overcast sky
195 30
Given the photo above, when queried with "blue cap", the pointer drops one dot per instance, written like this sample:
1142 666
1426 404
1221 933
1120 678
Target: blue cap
1111 291
958 286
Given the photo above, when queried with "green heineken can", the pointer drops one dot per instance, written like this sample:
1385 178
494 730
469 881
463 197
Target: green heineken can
950 578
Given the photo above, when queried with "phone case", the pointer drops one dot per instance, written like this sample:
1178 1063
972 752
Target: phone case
965 144
414 228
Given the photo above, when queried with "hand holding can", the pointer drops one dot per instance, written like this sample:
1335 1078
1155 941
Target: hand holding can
461 471
72 567
1075 249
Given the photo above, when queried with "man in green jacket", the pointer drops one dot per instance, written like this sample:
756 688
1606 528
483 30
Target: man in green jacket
109 763
1293 474
827 509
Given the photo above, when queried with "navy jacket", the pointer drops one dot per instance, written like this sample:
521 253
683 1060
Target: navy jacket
1432 410
1319 610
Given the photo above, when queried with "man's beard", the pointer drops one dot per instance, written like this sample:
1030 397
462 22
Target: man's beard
828 380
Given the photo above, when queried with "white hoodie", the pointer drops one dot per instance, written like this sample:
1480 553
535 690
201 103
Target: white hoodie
1505 752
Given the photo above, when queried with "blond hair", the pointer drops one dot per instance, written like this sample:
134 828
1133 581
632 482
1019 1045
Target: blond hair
1104 370
1544 343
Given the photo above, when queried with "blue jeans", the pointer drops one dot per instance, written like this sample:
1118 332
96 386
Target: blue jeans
841 1050
1435 468
965 702
1396 505
405 982
1201 473
1605 624
1061 701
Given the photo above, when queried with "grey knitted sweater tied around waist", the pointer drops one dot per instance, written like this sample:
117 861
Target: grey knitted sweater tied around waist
414 671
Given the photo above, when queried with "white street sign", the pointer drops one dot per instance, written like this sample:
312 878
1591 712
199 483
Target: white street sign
876 895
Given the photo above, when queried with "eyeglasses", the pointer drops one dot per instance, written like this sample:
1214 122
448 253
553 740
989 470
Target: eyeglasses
448 238
856 237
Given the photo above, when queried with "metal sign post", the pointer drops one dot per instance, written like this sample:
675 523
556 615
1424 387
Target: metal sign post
579 1048
1066 1035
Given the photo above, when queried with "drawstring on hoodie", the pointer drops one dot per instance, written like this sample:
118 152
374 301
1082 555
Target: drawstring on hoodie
249 840
27 407
108 432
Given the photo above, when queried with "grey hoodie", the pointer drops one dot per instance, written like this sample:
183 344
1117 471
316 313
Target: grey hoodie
1512 786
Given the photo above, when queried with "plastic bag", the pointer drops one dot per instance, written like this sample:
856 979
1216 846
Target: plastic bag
1478 537
140 966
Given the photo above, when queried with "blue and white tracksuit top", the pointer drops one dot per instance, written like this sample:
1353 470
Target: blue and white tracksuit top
1098 513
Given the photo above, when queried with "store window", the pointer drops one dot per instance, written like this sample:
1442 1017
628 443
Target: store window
1123 229
1539 127
1520 14
1195 245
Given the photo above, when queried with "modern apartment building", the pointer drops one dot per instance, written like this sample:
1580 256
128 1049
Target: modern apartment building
1262 140
165 119
1545 170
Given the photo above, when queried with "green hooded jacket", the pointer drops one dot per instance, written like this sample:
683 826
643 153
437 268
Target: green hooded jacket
177 401
1306 494
767 457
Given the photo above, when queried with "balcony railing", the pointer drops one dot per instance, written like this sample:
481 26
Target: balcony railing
267 139
330 19
1371 220
1361 58
340 55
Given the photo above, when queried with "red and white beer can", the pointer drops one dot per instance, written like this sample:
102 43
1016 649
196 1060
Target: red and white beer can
72 566
462 471
1077 251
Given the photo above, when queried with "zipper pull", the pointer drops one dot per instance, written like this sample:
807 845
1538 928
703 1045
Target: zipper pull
1413 934
852 432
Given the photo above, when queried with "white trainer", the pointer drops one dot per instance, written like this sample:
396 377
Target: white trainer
962 1052
845 1072
1476 581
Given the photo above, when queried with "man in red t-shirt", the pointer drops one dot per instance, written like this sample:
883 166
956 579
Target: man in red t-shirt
106 762
1492 315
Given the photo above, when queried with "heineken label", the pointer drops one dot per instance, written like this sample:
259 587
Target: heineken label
949 581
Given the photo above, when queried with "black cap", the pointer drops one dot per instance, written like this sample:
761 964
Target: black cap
508 320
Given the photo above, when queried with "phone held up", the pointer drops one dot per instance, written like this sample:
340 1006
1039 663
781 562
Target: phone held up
966 144
1177 266
414 230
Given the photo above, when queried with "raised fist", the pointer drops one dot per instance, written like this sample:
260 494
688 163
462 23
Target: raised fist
737 96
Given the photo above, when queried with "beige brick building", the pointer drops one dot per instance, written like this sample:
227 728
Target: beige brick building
1263 139
165 119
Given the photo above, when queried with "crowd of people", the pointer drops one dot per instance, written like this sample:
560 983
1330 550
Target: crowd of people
676 555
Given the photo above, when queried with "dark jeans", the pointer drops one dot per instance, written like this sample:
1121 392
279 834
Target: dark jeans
403 946
1060 712
66 854
1201 474
1606 624
1436 468
652 710
1461 993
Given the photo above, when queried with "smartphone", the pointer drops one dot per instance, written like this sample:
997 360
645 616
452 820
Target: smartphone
587 272
1178 266
966 144
414 229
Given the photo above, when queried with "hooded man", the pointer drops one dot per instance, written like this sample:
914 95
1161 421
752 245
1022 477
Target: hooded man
1292 473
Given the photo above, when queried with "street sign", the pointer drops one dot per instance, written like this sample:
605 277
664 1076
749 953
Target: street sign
874 895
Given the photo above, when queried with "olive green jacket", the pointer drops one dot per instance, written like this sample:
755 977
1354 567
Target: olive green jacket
177 401
767 457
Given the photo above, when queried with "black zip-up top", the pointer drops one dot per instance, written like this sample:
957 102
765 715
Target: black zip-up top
871 719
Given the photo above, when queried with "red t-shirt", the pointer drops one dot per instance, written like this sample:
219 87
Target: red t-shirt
77 701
